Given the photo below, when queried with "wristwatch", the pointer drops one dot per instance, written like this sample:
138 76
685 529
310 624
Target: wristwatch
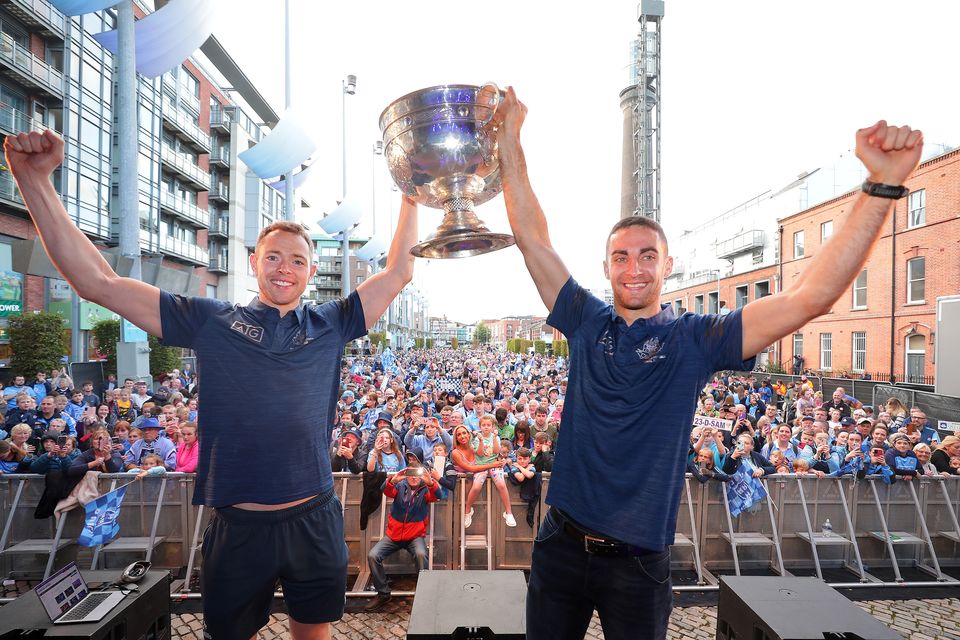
881 190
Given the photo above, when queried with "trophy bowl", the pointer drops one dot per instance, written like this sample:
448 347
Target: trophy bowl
440 144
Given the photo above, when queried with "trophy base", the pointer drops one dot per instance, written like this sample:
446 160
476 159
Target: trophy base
461 234
462 245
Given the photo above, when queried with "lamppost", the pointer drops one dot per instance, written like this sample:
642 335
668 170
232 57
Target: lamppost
349 86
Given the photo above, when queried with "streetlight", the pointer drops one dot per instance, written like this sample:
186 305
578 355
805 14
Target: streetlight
349 86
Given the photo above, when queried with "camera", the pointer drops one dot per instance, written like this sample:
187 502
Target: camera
115 440
413 472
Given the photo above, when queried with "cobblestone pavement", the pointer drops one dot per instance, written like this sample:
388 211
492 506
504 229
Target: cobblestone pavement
913 619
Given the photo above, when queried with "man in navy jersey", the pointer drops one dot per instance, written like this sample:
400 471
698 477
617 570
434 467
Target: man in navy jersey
635 372
277 518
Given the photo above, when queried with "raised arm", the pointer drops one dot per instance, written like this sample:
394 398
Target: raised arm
377 292
32 157
527 221
890 155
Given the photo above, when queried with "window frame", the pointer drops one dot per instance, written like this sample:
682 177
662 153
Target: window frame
856 353
855 288
798 243
826 351
911 280
917 215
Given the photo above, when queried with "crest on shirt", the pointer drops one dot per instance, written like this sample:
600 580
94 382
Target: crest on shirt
250 331
607 340
650 349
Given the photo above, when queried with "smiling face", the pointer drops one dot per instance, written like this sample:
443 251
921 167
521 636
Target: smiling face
283 267
636 265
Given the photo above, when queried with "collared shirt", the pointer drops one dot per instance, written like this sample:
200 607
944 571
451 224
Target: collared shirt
632 388
245 350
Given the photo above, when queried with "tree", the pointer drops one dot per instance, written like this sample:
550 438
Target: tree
107 333
163 359
481 334
376 338
37 342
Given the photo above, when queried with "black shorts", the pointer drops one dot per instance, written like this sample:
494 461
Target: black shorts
246 552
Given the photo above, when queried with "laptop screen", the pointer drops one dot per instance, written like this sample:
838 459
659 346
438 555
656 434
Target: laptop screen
62 591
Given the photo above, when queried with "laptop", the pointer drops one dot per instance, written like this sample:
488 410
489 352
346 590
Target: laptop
67 599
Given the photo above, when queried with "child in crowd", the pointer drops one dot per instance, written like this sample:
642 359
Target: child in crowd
151 465
703 468
780 462
188 448
443 471
542 454
57 457
525 475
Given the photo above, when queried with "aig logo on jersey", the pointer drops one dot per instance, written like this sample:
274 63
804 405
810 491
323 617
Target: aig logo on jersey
650 351
251 331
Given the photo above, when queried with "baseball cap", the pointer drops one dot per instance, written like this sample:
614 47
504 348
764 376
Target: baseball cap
807 419
347 394
864 420
150 423
848 422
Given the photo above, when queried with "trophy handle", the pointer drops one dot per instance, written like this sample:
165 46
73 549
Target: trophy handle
490 92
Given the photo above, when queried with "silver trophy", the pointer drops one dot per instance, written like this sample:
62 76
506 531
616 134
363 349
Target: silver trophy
441 149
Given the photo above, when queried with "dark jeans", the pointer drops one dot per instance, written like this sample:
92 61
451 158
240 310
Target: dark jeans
386 547
632 594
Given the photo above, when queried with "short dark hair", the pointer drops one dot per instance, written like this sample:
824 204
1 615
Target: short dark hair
289 227
638 221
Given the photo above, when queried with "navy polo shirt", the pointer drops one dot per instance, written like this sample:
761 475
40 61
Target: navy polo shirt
628 412
270 387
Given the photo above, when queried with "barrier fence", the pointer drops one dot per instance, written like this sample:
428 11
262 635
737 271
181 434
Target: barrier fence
904 533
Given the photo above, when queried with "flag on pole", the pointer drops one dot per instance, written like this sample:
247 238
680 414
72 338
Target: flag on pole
422 379
744 491
387 359
100 520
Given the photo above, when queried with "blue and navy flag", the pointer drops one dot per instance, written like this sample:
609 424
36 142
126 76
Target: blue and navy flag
100 521
396 370
422 378
744 491
356 368
387 359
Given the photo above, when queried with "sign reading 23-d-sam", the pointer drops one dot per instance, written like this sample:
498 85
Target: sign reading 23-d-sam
716 423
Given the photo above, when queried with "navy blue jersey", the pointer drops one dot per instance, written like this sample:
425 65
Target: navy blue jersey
628 412
270 387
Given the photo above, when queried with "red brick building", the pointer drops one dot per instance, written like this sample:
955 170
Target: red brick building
885 323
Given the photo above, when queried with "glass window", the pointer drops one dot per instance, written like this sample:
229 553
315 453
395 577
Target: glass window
698 303
918 208
743 296
798 244
916 279
860 291
798 344
712 303
826 230
826 351
859 350
761 289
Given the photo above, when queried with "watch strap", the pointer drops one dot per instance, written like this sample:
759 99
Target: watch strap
881 190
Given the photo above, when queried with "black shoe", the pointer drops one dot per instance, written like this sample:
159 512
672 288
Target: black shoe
530 519
378 601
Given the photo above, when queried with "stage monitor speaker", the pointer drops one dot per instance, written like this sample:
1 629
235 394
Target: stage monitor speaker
775 608
469 605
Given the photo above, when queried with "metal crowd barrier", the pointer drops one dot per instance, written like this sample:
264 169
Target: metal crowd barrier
904 533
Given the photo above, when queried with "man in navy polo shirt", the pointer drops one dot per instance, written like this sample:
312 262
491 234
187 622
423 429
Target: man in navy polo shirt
635 371
277 515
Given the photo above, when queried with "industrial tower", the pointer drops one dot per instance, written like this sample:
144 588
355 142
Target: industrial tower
640 102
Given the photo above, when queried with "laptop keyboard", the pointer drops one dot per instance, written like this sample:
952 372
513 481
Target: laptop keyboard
91 602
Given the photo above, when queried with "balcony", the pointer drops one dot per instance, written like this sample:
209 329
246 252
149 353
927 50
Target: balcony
39 15
220 120
9 192
678 268
171 203
219 228
740 243
17 63
220 156
218 264
183 167
182 125
14 121
184 250
190 100
219 191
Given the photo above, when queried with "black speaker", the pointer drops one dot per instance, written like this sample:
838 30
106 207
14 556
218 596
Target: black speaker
775 608
469 605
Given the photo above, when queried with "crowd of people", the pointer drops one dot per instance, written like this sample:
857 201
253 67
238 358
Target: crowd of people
414 421
57 428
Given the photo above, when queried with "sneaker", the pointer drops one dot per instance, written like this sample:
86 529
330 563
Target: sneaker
468 520
377 601
511 521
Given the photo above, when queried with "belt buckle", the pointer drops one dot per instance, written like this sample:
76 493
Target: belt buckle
601 546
